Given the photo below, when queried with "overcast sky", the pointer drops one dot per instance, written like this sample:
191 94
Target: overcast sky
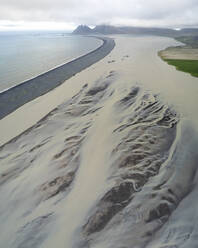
67 14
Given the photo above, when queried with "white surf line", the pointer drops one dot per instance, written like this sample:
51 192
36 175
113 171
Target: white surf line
28 114
55 67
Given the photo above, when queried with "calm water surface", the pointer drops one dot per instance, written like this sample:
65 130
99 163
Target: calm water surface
26 55
115 165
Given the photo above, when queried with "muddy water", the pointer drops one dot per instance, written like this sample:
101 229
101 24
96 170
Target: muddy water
113 166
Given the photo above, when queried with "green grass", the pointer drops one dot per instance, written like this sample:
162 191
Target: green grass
189 66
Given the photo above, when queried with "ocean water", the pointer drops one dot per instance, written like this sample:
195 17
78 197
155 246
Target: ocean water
115 165
25 55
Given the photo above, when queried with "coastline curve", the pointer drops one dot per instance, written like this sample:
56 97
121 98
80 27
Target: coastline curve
27 91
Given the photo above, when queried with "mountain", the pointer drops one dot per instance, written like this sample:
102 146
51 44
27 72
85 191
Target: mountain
100 29
82 29
108 29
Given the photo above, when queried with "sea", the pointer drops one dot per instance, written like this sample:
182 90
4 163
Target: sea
25 55
114 165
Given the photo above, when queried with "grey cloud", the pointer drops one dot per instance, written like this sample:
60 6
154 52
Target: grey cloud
92 12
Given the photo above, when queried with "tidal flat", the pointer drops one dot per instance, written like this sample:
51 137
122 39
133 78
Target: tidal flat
107 159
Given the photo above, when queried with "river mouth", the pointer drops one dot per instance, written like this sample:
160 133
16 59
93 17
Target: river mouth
110 167
17 96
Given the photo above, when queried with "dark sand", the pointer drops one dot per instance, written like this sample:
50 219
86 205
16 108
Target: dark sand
17 96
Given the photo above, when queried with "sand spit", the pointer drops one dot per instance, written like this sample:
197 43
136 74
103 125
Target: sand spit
111 160
15 97
185 53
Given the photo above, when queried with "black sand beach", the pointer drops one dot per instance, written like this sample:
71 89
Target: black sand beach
17 96
109 159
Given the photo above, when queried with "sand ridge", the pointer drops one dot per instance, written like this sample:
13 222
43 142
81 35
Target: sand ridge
130 56
185 53
106 166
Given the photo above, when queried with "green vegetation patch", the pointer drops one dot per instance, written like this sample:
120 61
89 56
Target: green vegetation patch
190 66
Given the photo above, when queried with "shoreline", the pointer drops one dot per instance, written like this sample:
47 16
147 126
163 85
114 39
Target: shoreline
123 60
119 124
15 97
179 53
52 68
184 57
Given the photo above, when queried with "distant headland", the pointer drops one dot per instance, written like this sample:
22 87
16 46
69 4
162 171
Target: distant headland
108 29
